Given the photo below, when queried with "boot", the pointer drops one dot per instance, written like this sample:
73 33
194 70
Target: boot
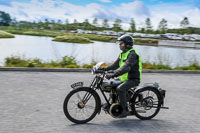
124 113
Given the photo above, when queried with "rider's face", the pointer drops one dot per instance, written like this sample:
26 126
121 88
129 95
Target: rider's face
122 46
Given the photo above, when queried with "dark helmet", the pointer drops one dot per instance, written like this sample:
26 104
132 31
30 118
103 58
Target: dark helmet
127 39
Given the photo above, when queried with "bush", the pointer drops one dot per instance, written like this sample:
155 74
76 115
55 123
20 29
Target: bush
99 37
72 39
70 62
149 41
42 33
194 66
147 65
16 61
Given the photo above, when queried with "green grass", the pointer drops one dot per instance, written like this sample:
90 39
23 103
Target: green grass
146 42
193 66
155 66
33 32
99 37
4 34
43 33
70 62
58 34
16 61
72 39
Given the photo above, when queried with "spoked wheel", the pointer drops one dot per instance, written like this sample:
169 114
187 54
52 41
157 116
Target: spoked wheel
146 103
81 105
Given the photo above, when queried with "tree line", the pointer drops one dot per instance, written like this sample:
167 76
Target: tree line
6 20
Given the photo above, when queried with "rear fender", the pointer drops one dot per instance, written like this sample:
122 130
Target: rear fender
156 89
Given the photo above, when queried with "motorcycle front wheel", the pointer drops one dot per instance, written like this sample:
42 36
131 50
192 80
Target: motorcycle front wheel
81 105
146 103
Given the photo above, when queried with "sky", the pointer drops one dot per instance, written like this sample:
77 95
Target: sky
172 10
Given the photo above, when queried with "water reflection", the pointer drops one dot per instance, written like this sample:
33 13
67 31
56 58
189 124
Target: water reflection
47 50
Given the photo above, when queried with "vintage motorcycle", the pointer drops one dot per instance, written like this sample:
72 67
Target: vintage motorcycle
83 103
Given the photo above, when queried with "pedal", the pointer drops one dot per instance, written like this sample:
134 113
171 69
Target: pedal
105 107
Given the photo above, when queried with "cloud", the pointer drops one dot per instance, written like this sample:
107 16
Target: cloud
106 1
62 10
174 14
36 10
193 16
124 11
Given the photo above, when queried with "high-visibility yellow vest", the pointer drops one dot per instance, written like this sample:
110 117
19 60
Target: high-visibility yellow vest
123 57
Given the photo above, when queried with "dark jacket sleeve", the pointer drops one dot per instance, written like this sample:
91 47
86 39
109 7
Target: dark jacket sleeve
129 63
114 66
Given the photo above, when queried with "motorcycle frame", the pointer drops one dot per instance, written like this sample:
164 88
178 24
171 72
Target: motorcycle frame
96 84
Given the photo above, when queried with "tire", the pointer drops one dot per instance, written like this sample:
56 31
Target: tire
76 110
150 102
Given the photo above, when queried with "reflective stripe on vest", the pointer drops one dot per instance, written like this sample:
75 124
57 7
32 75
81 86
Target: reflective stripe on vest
123 57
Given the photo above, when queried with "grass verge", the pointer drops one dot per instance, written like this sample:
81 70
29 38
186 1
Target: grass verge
57 33
4 34
99 37
72 39
70 62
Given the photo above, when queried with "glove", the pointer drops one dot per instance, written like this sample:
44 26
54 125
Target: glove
110 75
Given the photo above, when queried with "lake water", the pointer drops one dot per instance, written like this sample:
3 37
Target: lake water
44 48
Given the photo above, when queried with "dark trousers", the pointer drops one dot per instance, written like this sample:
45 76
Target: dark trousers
122 90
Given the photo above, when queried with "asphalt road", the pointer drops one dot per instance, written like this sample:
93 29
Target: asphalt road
31 102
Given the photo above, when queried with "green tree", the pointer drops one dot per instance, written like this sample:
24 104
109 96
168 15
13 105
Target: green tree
148 25
132 25
184 23
75 21
46 20
40 24
105 23
66 24
95 22
142 30
117 25
13 22
66 21
5 19
86 24
59 21
46 24
75 24
59 25
53 21
53 24
162 26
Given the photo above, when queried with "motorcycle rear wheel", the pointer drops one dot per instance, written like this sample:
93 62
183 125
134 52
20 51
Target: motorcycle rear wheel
146 103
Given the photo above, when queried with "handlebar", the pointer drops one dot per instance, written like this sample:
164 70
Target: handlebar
102 72
99 71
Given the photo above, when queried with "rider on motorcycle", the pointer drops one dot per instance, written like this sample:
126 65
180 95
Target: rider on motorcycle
128 67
